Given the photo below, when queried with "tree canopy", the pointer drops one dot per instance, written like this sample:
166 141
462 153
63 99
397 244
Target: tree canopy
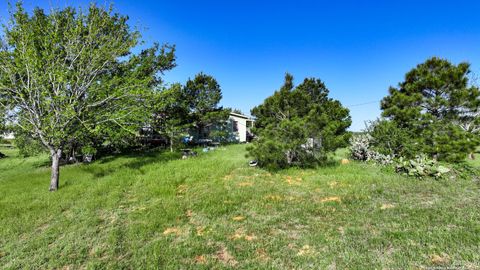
171 113
203 95
70 72
297 126
438 107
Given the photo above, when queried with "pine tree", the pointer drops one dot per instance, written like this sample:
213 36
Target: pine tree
298 126
203 95
433 103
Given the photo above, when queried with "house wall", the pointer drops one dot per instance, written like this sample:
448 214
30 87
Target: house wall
241 128
236 127
244 124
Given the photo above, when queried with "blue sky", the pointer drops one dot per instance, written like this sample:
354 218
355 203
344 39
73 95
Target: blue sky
358 48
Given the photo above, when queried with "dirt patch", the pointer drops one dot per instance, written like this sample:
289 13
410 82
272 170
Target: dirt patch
172 230
306 250
238 218
387 206
181 190
262 255
201 230
442 259
200 259
331 199
241 235
225 257
291 181
245 184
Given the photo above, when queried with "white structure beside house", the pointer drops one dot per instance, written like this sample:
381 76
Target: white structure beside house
7 136
241 125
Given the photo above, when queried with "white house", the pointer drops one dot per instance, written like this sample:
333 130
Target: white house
241 125
7 136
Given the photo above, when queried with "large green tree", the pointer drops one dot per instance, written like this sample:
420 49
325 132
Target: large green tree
171 116
71 72
438 107
298 126
203 95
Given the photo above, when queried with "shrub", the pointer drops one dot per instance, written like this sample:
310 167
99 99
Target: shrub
389 139
380 158
360 149
420 167
360 146
27 146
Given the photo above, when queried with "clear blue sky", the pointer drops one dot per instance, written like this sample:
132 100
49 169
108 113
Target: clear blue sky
357 49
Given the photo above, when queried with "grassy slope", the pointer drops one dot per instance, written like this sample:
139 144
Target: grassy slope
213 211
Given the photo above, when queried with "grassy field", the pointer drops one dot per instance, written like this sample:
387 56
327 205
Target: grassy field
156 211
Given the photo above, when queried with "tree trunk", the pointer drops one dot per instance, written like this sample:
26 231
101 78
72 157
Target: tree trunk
289 157
54 180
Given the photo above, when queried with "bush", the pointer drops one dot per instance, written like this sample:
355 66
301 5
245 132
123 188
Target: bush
379 158
27 146
360 146
360 149
420 167
389 139
446 141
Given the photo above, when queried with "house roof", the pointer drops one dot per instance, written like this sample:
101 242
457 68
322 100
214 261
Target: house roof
240 115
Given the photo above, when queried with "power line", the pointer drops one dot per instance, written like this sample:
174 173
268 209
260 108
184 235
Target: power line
365 103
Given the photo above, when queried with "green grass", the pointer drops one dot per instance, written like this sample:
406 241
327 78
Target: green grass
475 162
156 211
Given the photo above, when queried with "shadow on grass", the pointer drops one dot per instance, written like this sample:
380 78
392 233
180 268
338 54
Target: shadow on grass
43 163
329 163
143 159
135 161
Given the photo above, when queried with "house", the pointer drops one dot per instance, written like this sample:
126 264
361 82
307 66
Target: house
237 128
240 126
7 136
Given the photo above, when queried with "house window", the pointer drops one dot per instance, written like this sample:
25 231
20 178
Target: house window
249 124
235 126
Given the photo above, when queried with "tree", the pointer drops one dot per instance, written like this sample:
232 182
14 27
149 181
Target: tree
3 120
203 94
388 139
171 114
72 72
433 103
237 111
298 126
